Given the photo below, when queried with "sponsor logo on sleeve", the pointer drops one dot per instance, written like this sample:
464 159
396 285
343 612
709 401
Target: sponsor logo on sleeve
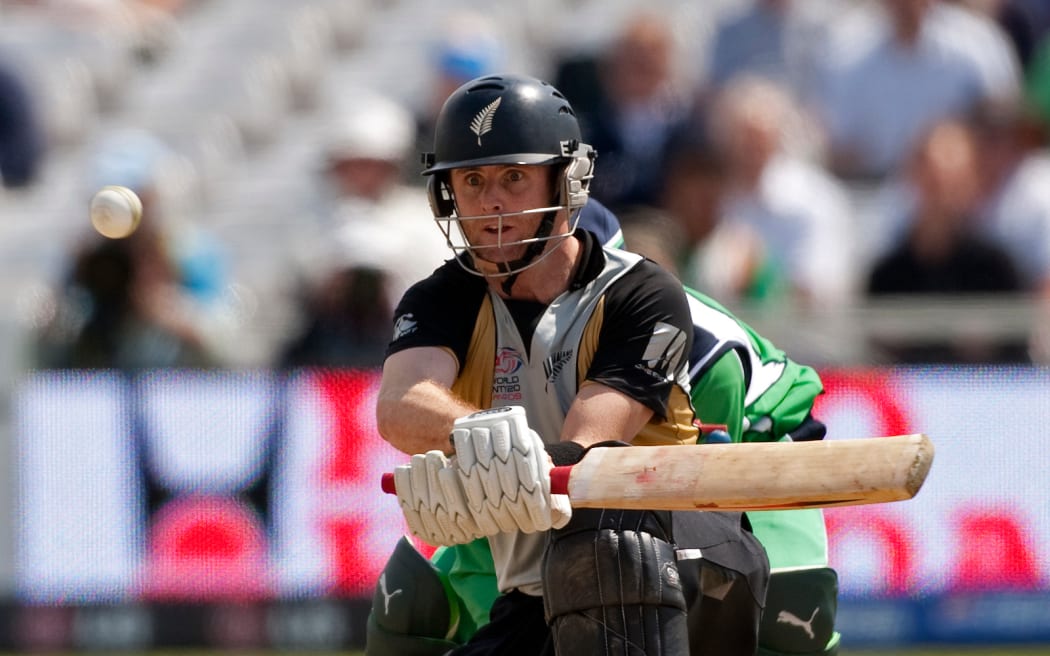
665 352
404 326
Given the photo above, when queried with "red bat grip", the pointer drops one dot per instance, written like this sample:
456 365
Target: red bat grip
387 484
560 479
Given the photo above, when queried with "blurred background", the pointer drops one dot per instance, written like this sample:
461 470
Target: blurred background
188 455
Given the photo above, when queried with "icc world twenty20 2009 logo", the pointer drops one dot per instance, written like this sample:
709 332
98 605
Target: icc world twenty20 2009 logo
506 385
508 361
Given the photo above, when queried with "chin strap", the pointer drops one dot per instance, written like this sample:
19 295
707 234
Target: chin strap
531 251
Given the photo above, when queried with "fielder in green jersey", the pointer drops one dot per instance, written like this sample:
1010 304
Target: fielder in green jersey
761 395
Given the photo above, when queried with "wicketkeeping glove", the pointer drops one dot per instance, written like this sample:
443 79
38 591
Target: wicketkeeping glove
506 473
431 495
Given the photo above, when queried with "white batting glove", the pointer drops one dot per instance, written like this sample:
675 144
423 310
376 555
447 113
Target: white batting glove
506 473
431 496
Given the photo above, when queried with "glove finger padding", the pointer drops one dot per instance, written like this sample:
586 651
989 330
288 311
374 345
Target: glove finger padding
533 473
447 502
481 481
455 517
431 497
407 498
507 454
430 494
476 443
432 461
506 472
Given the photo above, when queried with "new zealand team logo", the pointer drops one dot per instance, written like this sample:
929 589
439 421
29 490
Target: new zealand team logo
482 123
554 363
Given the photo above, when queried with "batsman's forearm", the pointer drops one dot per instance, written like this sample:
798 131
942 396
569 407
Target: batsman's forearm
419 418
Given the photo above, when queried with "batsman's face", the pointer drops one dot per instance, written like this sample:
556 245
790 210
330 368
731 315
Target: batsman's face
492 203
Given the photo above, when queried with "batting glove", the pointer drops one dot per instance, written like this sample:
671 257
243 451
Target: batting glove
431 496
506 473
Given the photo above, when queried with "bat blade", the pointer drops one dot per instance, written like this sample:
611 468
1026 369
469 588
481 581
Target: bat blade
751 476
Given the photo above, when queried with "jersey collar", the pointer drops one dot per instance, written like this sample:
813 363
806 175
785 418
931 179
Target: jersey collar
593 259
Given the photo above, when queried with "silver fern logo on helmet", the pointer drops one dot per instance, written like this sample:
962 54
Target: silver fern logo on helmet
482 123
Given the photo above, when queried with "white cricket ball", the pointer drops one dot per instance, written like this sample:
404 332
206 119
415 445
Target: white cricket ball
115 211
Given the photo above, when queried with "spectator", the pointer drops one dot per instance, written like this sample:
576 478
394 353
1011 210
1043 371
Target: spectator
1037 82
942 251
373 237
22 136
655 234
347 321
891 74
726 259
368 210
1015 212
1025 22
122 308
637 102
777 39
468 46
799 213
142 161
1015 205
153 299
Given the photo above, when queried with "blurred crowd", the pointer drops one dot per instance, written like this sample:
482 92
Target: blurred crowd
814 153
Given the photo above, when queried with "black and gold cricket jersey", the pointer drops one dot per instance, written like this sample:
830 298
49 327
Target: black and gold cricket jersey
623 322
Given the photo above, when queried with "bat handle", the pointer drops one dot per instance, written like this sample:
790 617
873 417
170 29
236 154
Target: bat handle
560 479
387 483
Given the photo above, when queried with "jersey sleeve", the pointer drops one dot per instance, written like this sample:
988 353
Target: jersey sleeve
718 395
438 311
645 338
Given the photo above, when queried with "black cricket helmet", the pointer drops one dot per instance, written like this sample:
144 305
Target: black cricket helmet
509 119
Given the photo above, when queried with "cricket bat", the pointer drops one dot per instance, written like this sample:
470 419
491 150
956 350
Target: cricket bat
750 476
744 477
